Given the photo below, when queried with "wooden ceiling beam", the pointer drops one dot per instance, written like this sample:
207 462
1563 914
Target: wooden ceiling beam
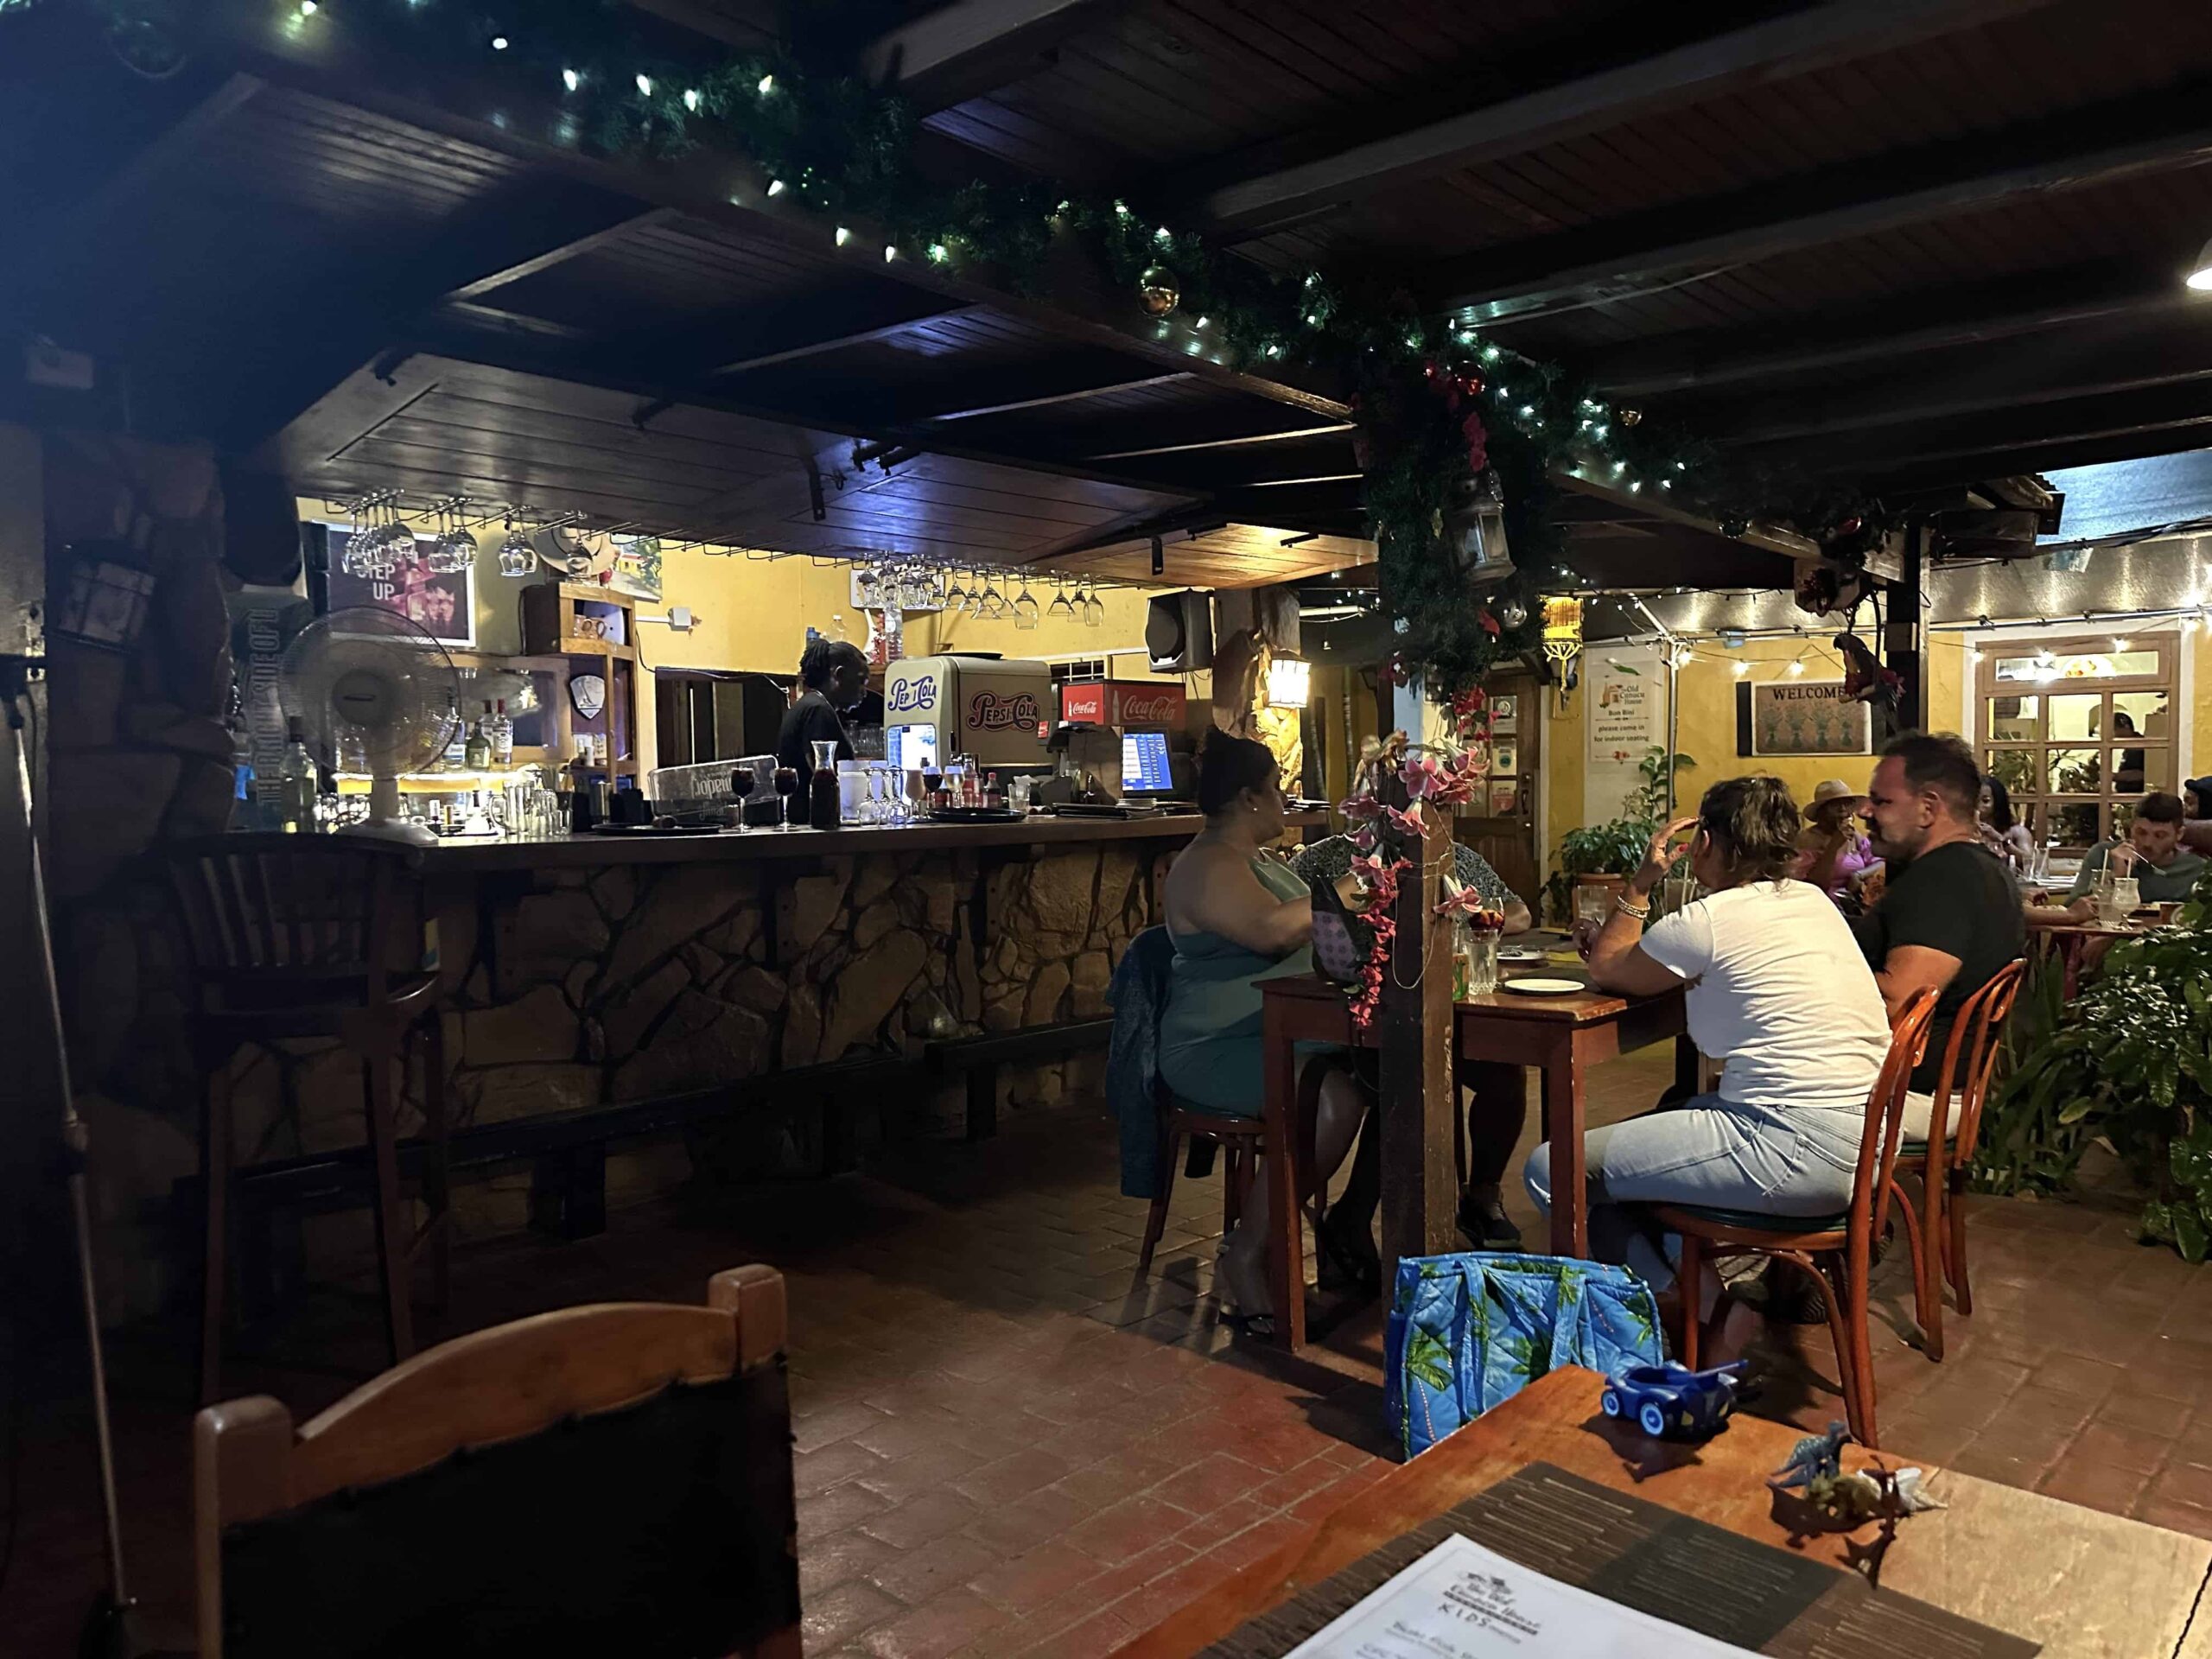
964 49
1049 399
1774 49
2077 367
820 333
1978 315
491 281
2132 138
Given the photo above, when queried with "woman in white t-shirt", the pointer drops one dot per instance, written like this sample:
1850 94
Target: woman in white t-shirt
1778 988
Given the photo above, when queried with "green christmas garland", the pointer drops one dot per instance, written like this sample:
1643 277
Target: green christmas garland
614 82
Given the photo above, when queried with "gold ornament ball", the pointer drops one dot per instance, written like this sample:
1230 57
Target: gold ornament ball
1631 417
1157 289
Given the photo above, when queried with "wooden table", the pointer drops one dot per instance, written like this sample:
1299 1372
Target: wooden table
2073 943
1561 1036
2084 1584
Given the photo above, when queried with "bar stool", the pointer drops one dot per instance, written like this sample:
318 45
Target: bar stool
295 936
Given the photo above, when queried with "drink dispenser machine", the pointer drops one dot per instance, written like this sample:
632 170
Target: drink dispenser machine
997 711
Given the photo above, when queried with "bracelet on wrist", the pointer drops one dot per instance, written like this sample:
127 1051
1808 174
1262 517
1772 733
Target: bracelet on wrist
1642 913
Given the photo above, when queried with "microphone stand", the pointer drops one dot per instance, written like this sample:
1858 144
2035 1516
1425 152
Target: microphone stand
109 1632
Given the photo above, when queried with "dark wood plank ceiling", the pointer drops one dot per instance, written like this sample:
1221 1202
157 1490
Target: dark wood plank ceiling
1907 241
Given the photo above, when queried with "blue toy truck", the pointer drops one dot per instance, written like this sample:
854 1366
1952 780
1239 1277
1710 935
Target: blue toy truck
1671 1401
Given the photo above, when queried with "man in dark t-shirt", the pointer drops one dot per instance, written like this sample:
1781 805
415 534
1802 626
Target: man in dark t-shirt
1949 916
832 676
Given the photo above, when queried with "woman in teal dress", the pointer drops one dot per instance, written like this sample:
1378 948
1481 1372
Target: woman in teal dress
1238 916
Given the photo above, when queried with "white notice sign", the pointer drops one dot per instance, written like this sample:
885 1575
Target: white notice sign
1461 1601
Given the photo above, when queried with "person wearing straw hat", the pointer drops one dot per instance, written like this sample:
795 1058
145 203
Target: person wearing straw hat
1832 852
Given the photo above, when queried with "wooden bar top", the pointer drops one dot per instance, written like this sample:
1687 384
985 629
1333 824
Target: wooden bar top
593 851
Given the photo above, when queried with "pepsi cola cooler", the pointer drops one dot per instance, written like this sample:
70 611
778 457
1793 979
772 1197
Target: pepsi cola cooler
935 708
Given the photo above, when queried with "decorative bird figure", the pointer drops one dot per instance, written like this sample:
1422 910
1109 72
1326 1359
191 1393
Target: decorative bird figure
1865 679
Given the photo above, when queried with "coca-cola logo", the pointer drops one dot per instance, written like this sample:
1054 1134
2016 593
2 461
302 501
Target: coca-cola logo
908 696
1156 710
990 712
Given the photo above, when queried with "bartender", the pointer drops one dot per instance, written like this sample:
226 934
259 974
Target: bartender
833 678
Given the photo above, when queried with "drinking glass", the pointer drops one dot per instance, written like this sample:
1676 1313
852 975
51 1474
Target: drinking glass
786 786
1592 904
1025 608
1059 610
1479 949
1094 613
956 596
918 789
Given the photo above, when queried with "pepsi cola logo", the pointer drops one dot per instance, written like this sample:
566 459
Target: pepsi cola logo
920 692
990 712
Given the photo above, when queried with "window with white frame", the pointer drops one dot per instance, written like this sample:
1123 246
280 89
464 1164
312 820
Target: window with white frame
2078 730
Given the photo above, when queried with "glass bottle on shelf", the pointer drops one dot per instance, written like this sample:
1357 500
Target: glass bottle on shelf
476 754
298 786
822 790
502 734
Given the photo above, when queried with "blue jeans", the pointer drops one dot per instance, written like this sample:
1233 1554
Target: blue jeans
1707 1152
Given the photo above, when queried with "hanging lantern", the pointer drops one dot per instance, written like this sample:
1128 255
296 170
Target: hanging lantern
1563 628
1159 290
1473 530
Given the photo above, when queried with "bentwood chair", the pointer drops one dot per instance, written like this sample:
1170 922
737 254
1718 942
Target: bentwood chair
1243 1142
599 1480
1936 1230
1832 1250
314 937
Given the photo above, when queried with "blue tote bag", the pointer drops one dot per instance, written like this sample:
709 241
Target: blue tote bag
1468 1331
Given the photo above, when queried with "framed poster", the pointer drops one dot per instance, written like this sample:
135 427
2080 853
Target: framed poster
1505 715
1505 759
1800 717
442 602
1504 797
1625 719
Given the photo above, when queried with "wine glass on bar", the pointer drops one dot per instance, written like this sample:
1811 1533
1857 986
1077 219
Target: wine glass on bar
786 786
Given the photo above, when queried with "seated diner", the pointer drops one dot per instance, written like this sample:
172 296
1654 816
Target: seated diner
1832 852
1776 989
1237 914
2164 872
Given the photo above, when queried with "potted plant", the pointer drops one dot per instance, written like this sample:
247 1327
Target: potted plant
1606 855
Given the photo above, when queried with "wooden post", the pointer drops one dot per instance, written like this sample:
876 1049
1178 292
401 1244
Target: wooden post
1901 649
1414 1032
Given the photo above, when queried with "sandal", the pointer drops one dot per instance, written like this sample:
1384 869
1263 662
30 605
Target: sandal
1347 1259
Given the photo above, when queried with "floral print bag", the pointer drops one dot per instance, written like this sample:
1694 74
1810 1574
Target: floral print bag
1468 1331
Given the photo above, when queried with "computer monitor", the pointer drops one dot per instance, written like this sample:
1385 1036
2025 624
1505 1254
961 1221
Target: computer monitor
1144 764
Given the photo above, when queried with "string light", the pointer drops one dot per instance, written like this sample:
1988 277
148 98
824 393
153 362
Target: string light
571 79
940 253
843 235
692 99
768 86
498 42
645 86
1743 669
308 8
890 252
1798 666
775 187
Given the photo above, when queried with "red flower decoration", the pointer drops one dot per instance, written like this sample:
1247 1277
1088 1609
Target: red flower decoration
1489 622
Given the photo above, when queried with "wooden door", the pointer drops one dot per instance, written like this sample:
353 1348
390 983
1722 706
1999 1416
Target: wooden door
1501 826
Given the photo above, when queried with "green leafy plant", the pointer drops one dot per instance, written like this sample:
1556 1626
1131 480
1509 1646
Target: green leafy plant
1614 848
2128 1063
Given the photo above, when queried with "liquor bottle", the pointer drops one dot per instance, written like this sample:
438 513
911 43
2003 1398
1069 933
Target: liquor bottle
297 792
456 750
477 755
502 732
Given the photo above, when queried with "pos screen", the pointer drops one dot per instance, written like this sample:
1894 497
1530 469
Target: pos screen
1144 763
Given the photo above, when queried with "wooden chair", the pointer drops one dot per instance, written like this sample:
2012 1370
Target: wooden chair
1243 1142
609 1479
1832 1250
307 937
1937 1231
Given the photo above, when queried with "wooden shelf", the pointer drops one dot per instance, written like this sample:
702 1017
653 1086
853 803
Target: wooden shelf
578 647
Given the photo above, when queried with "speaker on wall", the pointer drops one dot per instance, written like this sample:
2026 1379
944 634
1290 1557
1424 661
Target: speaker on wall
1178 632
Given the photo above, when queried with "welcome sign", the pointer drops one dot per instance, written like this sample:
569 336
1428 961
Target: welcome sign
1803 717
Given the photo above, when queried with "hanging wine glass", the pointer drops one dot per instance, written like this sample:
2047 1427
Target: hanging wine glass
1000 605
517 558
956 596
867 587
1025 608
457 544
1094 613
1059 610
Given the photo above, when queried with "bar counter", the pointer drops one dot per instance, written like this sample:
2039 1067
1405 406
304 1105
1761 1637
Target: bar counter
763 980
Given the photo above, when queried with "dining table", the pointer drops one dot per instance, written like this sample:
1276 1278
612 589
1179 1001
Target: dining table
2026 1568
1501 1034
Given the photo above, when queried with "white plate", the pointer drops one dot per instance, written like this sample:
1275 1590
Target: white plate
1520 953
1543 986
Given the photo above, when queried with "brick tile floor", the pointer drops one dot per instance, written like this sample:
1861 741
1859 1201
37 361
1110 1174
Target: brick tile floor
1003 1447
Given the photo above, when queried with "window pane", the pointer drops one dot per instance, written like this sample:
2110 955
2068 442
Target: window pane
2074 771
2139 713
2072 822
2076 717
2014 768
2137 770
2046 667
2014 720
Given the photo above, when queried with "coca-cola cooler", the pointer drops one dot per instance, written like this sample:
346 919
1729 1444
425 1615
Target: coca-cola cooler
935 708
1148 715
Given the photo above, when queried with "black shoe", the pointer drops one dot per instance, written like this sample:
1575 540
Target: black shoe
1786 1296
1346 1258
1484 1223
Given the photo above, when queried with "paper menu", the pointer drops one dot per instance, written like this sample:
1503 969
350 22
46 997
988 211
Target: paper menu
1461 1601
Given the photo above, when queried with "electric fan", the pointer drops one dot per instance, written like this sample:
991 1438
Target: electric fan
372 690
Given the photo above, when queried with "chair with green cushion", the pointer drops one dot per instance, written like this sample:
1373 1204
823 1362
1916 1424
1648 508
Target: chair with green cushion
1936 1228
1834 1251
